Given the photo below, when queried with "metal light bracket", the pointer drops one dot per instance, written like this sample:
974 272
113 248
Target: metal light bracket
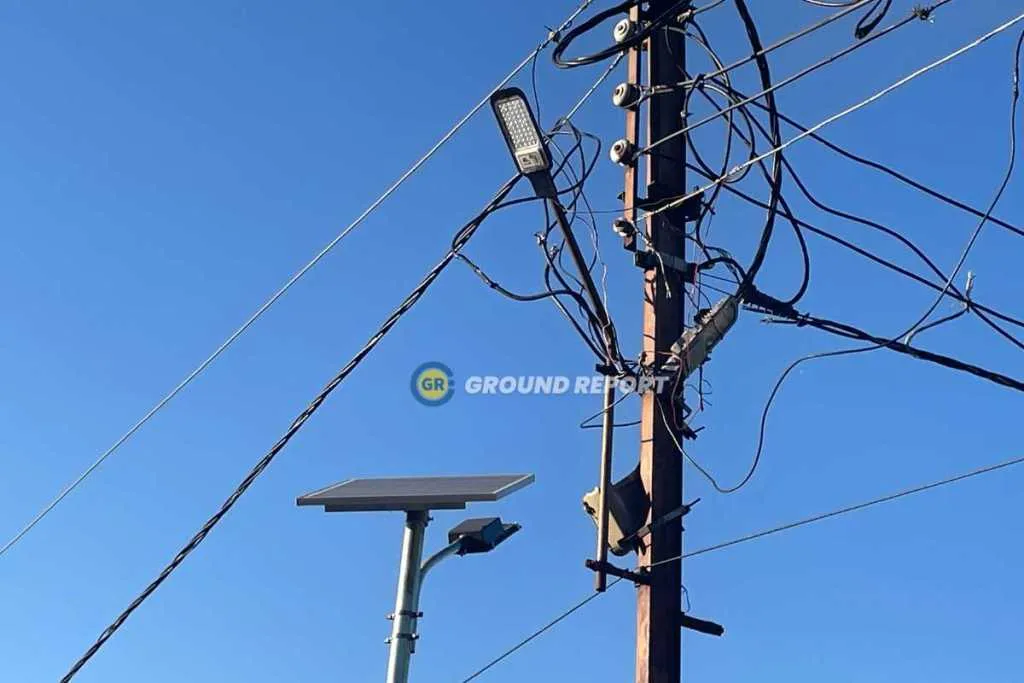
651 259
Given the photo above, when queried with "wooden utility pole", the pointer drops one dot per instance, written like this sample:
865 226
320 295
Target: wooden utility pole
658 632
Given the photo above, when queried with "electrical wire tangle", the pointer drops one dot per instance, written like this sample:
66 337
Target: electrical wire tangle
743 127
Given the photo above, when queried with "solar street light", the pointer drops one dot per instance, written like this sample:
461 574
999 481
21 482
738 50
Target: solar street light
416 497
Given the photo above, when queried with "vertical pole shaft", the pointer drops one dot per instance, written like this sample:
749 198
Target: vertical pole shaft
659 637
607 431
608 410
403 630
608 421
629 196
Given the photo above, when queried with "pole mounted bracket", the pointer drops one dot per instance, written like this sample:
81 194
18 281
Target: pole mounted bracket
641 578
646 530
659 196
406 613
700 625
650 260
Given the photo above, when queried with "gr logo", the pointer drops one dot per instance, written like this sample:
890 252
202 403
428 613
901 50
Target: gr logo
433 384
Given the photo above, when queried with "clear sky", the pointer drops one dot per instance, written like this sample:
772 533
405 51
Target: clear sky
165 167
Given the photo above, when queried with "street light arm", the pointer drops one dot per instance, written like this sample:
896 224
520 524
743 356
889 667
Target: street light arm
433 561
437 557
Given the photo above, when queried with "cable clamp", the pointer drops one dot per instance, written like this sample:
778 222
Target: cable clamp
406 613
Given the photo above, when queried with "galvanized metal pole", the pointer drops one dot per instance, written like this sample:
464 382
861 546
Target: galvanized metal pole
403 630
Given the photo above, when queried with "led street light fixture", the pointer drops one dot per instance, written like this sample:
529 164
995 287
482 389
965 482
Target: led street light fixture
480 535
524 139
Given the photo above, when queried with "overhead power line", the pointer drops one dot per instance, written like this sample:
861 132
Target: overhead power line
292 281
536 634
461 238
679 201
752 537
917 14
988 469
902 177
810 227
296 425
822 23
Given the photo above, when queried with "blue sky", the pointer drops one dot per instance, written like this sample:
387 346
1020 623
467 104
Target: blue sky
164 168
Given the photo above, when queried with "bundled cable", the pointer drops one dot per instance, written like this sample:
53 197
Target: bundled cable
639 34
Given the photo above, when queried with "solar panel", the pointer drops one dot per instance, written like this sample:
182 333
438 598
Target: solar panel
415 493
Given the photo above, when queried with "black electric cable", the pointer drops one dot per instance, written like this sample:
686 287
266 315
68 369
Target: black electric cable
851 332
578 182
1015 102
832 3
773 118
868 24
679 200
460 240
640 34
918 13
902 177
785 41
868 255
964 310
749 140
854 218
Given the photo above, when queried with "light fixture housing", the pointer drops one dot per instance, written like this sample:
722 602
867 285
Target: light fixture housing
524 138
480 535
